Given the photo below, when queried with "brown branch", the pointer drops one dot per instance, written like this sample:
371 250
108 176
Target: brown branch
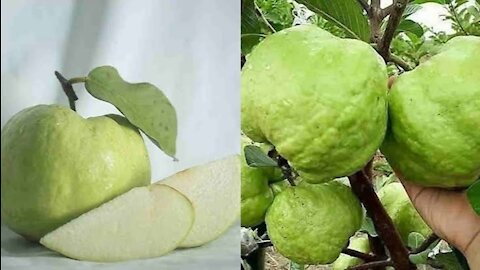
427 243
375 18
363 189
399 61
386 11
372 264
378 249
364 256
364 5
393 21
288 172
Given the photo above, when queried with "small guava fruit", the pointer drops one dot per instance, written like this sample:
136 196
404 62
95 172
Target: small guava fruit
358 243
320 100
56 165
404 215
256 194
310 224
433 137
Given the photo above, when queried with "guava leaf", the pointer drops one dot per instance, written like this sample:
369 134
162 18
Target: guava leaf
346 14
277 12
143 104
420 258
415 239
296 266
446 261
253 27
427 1
255 157
473 194
410 9
411 27
368 227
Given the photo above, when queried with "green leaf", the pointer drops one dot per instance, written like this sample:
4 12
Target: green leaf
415 239
411 27
368 227
446 261
143 104
410 9
277 12
255 157
473 194
429 1
346 14
253 27
461 259
296 266
420 258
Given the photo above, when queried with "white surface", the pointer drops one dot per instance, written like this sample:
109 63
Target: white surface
189 49
223 253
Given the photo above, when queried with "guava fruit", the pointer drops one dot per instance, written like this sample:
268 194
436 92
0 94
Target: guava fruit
320 100
280 186
404 215
56 165
358 243
433 137
310 224
214 190
256 194
144 222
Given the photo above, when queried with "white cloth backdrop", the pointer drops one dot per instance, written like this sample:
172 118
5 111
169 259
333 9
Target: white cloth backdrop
189 49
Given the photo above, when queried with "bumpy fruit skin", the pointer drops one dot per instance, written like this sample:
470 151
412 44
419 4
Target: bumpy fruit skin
433 137
56 165
320 100
361 244
256 194
399 207
310 224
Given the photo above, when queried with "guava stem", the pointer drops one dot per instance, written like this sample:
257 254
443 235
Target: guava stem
394 19
68 90
364 256
287 170
363 189
77 80
372 264
432 238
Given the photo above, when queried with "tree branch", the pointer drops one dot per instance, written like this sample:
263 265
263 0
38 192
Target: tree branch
427 243
372 264
399 61
386 11
363 189
364 5
357 254
288 172
393 21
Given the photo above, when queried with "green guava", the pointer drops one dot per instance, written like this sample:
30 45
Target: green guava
404 215
56 165
358 243
310 224
256 194
320 100
433 137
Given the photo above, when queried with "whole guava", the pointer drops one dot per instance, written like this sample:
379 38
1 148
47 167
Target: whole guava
404 215
311 224
358 243
256 194
56 165
320 100
433 137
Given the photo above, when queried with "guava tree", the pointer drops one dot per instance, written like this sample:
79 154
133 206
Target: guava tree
309 154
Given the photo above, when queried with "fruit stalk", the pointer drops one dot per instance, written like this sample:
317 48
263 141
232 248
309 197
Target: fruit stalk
364 256
68 90
363 189
371 265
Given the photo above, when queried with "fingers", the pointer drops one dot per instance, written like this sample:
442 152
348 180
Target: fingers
448 213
